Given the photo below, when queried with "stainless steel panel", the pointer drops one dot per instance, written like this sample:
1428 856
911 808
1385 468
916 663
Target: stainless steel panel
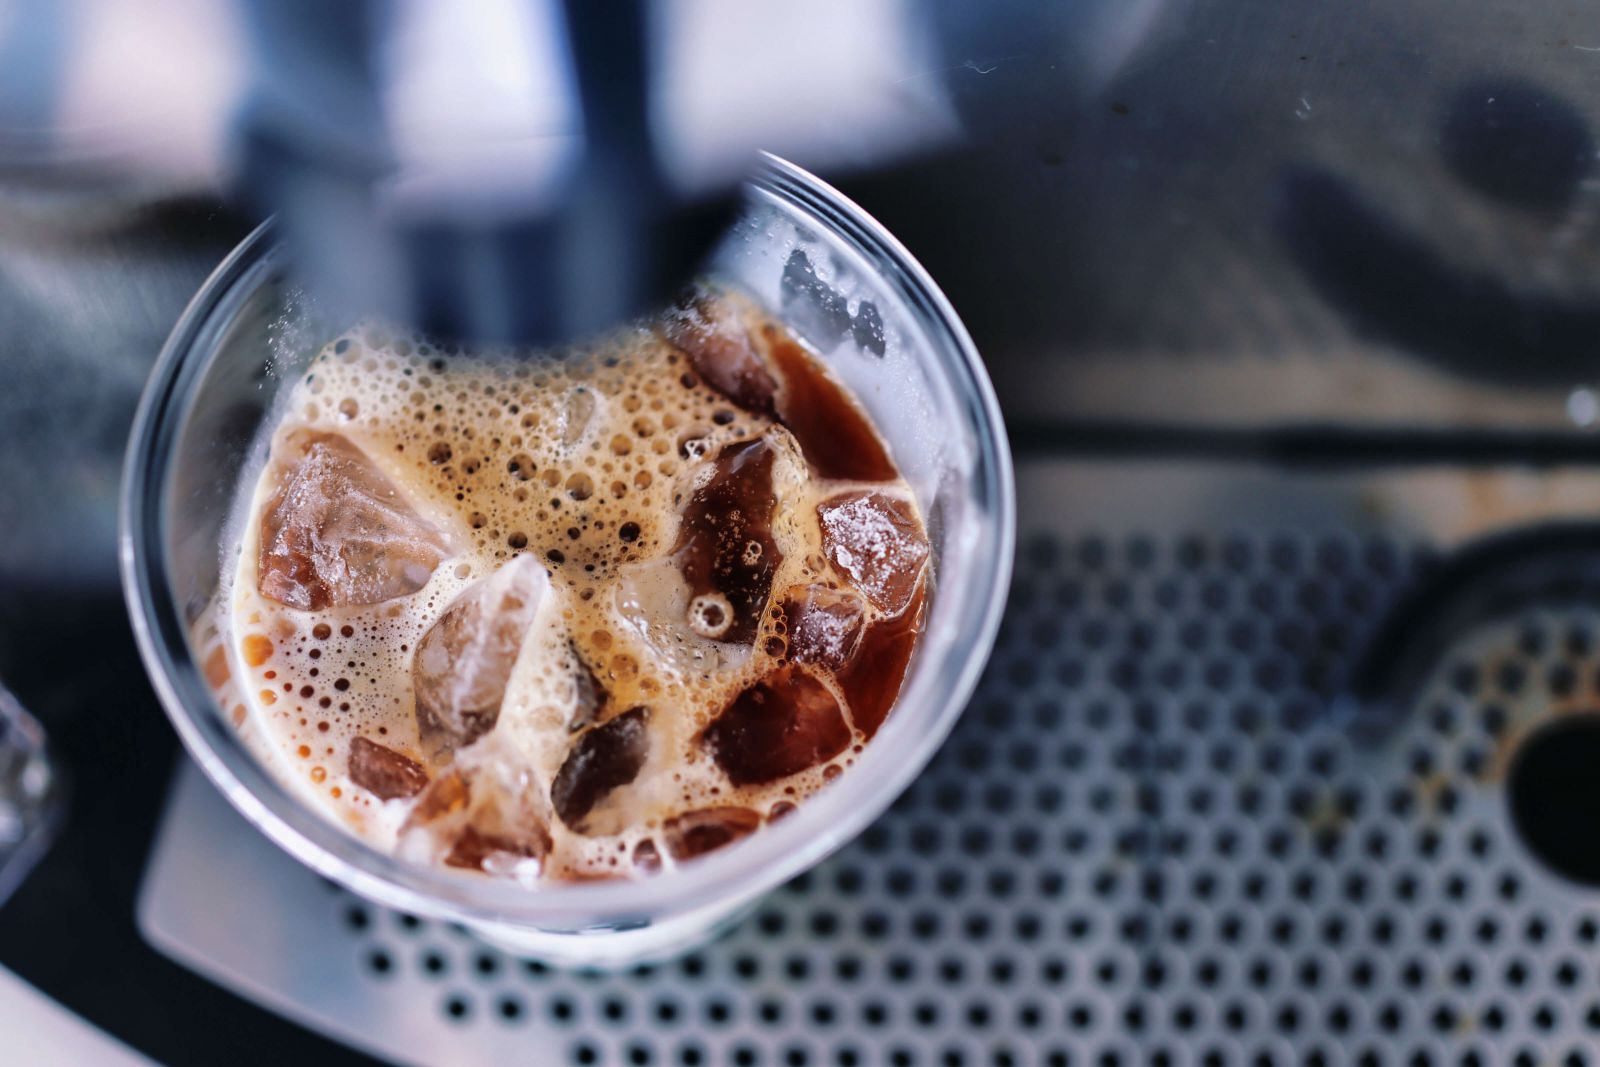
1157 836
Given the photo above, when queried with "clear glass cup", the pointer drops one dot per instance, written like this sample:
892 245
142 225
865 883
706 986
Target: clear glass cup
817 262
32 793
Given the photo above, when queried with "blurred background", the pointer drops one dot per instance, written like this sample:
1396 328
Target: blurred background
1245 274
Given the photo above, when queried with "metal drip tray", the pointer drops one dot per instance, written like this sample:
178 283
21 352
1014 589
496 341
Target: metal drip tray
1157 837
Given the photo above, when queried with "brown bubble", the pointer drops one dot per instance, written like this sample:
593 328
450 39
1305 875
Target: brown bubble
439 453
257 649
556 556
620 445
518 540
521 466
349 408
216 667
693 443
580 486
628 531
322 631
646 859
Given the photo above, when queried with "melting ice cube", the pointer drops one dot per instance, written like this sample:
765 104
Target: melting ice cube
695 833
720 348
337 532
601 761
465 659
780 726
725 549
876 540
384 772
824 625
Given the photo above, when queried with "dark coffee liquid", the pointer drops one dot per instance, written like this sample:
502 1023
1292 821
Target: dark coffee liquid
835 436
871 680
790 720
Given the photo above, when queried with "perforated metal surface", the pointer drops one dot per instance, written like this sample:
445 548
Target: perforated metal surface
1153 838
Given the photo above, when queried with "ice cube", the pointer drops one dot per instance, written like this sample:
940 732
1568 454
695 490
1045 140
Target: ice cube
337 532
719 346
695 833
701 605
591 696
780 726
471 849
576 414
497 841
448 796
871 680
824 625
464 661
725 550
472 820
877 541
653 599
384 772
601 761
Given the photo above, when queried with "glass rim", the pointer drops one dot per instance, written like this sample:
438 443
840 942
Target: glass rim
822 824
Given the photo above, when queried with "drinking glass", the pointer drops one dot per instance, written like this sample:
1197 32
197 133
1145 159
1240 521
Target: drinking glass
819 264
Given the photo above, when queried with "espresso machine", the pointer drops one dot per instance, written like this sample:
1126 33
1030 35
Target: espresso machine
1285 754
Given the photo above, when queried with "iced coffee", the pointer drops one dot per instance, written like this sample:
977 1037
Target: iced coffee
576 614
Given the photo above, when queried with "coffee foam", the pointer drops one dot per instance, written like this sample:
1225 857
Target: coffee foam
581 458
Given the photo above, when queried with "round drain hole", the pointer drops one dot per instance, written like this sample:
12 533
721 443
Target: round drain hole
1554 793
